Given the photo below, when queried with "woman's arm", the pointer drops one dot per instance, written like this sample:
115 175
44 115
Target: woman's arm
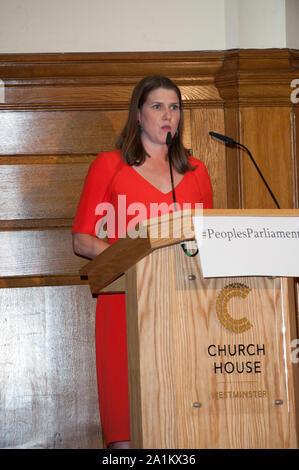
87 245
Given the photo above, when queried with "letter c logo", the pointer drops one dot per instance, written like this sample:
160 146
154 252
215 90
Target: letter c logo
231 324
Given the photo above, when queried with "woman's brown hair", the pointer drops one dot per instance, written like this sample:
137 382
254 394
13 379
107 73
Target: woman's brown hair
129 140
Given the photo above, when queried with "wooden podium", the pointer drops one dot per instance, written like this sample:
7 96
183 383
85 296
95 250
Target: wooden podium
211 361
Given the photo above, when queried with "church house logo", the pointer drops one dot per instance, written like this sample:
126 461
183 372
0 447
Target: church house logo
234 325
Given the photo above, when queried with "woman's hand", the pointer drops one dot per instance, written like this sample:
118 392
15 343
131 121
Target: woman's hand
87 245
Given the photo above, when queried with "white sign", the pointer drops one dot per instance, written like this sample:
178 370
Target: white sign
248 246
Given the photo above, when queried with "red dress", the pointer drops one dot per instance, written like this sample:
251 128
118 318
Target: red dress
111 191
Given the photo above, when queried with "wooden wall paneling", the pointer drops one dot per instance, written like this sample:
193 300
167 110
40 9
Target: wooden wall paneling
56 93
101 94
187 139
257 84
41 191
267 134
295 154
48 379
59 132
296 285
210 151
233 175
38 252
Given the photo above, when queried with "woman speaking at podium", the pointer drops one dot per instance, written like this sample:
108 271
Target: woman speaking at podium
137 174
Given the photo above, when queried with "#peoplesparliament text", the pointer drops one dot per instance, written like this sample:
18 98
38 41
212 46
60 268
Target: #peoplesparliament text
250 233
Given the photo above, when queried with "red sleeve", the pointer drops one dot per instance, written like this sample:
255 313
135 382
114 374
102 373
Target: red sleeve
204 182
96 190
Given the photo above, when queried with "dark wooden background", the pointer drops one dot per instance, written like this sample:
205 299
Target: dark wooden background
60 111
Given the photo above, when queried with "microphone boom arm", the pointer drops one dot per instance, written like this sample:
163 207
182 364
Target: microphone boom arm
259 172
230 141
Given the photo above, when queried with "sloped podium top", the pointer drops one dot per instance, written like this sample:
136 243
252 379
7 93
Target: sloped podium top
152 234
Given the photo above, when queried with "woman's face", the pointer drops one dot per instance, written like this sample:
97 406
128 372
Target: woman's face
159 115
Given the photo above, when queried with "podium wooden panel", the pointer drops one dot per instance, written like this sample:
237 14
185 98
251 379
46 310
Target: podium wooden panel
210 360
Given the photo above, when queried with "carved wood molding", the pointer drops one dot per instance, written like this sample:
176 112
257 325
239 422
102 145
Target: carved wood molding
258 77
115 68
105 80
102 81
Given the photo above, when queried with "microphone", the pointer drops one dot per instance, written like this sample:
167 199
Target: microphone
223 138
168 143
168 139
230 141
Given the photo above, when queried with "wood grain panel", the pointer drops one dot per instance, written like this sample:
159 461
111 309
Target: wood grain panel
133 353
38 252
255 86
210 151
297 307
59 132
67 95
233 186
40 191
42 280
88 95
187 140
295 153
48 394
267 133
25 159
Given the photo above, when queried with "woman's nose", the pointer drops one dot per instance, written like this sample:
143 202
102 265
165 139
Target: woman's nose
167 113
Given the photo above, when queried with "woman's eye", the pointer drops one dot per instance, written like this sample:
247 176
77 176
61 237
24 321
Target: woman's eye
156 106
174 107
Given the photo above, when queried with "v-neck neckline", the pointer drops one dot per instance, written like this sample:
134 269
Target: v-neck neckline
155 187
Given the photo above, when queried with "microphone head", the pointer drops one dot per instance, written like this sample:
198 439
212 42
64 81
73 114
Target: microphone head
223 138
168 139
